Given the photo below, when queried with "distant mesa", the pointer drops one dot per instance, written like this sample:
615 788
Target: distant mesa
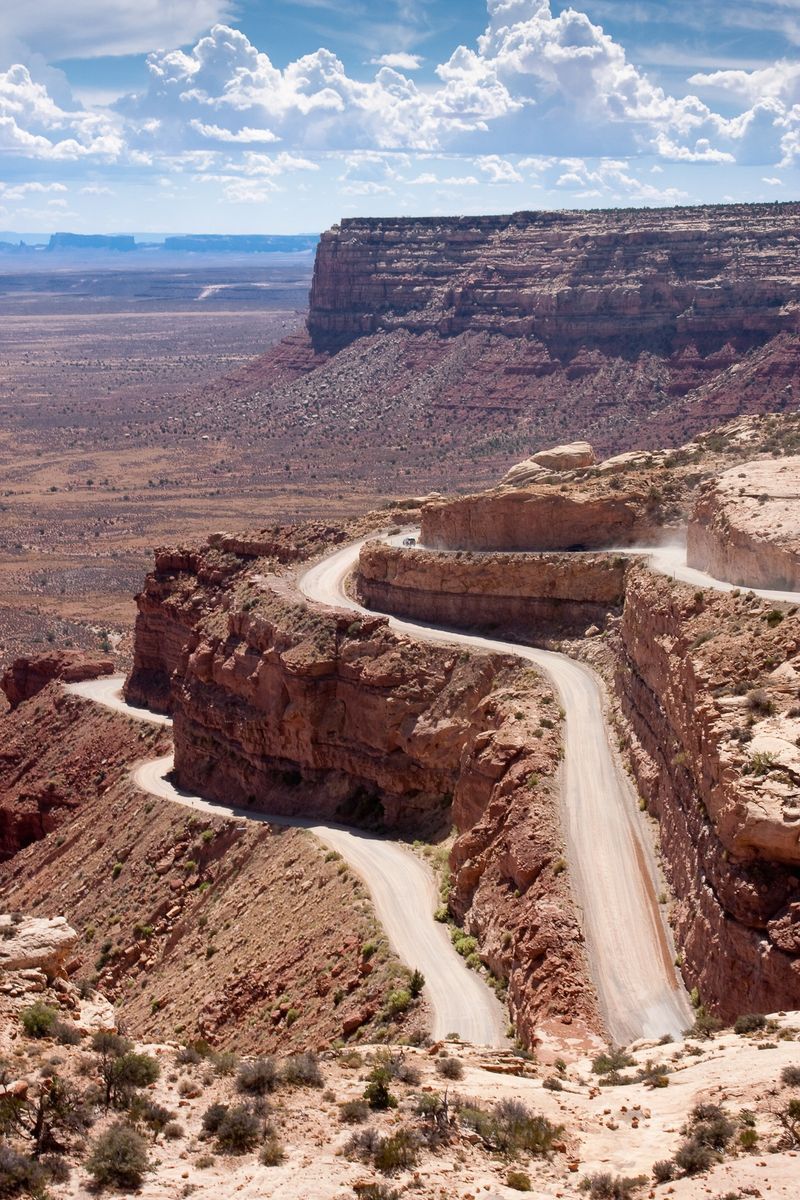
91 241
250 243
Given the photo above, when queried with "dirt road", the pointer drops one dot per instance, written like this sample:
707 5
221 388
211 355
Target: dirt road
611 867
401 885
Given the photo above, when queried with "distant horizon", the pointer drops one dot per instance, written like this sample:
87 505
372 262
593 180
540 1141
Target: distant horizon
145 237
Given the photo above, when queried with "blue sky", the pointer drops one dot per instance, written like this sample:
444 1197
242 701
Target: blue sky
279 116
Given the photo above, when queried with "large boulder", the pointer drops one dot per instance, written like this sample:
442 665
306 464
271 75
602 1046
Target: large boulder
35 942
569 457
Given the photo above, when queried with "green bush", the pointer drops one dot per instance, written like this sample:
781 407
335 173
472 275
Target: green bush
450 1068
21 1175
398 1001
39 1019
238 1131
272 1153
614 1059
353 1112
604 1186
376 1093
118 1158
302 1070
663 1170
258 1077
519 1181
694 1157
398 1152
416 983
749 1023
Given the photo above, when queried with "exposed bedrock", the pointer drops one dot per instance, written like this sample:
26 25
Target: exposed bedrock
746 525
288 709
729 834
537 518
527 595
625 281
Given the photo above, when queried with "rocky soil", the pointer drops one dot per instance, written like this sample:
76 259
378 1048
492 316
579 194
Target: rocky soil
599 1123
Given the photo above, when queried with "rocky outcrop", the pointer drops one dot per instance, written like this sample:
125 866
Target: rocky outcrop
35 943
699 702
540 517
527 595
28 676
557 458
746 525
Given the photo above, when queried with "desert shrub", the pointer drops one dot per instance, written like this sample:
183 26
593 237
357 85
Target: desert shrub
56 1166
398 1001
749 1023
705 1023
272 1153
66 1034
614 1059
519 1181
118 1158
145 1111
212 1117
604 1186
711 1126
403 1069
376 1093
789 1117
362 1144
20 1175
204 1162
553 1084
353 1112
791 1076
39 1019
450 1068
694 1157
188 1056
758 701
224 1062
663 1170
375 1191
748 1139
238 1131
257 1077
173 1131
398 1152
189 1089
302 1070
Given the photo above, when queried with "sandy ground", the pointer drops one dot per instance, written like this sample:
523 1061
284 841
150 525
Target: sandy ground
619 1130
611 864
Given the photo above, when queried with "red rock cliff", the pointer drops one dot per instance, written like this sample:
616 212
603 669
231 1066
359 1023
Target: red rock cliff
713 726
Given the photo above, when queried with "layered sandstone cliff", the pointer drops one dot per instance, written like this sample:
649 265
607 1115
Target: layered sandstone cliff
746 526
714 727
524 594
630 280
591 516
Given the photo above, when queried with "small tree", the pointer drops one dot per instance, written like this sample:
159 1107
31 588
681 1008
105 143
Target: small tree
376 1093
38 1019
416 983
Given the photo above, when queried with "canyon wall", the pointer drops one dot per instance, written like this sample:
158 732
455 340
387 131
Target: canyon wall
626 280
528 595
729 820
285 708
745 526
